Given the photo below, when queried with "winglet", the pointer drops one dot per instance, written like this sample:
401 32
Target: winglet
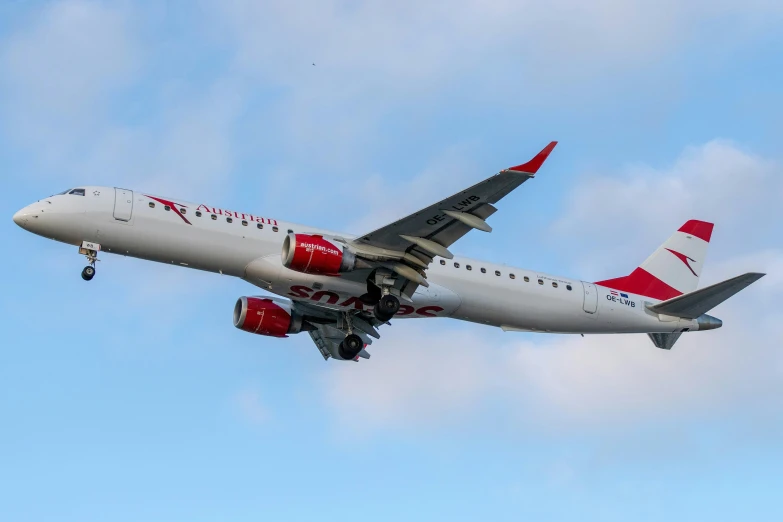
532 166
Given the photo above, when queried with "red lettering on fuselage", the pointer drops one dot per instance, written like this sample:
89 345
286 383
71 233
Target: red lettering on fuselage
303 292
299 291
429 311
405 310
332 298
355 301
238 215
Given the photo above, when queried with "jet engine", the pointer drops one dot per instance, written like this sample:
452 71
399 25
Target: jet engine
264 316
315 254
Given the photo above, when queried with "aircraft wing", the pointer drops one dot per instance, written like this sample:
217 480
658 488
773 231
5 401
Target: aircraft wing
416 239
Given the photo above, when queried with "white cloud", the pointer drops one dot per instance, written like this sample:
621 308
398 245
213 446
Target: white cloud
67 71
423 375
417 375
191 152
376 62
419 45
60 70
447 173
622 218
72 58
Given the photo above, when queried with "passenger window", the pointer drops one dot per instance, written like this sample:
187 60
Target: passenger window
456 265
152 205
497 272
512 276
540 281
442 262
483 270
77 192
214 217
469 267
198 213
183 211
166 207
259 226
568 287
244 223
229 220
290 231
527 279
274 229
554 285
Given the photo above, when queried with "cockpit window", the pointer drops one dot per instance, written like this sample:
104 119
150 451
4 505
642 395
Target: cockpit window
63 192
77 192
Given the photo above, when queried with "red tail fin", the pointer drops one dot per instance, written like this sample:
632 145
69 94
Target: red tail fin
671 270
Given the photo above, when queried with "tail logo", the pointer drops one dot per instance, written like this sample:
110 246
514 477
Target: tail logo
684 259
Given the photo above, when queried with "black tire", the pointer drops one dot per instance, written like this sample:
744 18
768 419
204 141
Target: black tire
350 347
386 308
369 299
88 273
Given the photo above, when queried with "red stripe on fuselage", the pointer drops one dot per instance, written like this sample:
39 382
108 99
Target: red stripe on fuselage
642 282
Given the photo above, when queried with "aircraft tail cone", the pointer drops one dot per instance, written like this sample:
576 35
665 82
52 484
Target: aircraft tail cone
708 322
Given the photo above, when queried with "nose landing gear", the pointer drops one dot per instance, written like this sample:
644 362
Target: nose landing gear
90 251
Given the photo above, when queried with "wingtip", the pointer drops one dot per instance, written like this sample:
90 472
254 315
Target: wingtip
532 166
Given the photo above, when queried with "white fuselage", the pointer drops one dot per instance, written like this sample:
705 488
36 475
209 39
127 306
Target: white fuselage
233 243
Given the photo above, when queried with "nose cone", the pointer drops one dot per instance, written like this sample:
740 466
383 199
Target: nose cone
708 322
20 218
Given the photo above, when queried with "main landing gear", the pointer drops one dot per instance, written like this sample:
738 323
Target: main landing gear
386 307
90 251
350 347
378 295
379 287
352 344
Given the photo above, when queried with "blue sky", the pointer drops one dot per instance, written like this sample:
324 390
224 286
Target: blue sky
134 398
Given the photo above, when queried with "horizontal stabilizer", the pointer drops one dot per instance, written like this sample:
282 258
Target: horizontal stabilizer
693 304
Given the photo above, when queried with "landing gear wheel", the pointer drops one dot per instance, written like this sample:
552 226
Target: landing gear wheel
386 307
350 347
88 273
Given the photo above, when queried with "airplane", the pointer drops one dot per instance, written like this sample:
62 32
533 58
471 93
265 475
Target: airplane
341 288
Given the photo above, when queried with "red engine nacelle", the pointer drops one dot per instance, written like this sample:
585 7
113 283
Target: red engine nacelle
313 254
264 316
